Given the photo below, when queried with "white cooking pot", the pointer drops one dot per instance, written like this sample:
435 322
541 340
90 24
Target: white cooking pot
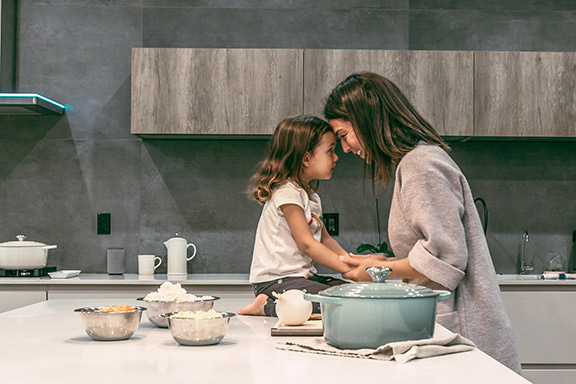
23 254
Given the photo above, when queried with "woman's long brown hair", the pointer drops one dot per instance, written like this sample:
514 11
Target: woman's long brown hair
386 124
292 139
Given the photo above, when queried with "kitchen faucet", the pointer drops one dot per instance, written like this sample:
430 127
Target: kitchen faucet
524 266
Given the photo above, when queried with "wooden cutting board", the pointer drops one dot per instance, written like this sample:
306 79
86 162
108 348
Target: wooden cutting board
309 328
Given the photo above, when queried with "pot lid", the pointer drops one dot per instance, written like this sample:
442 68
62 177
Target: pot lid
177 238
378 288
22 243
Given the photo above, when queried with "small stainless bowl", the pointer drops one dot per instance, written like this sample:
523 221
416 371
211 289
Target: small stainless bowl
190 331
106 326
157 308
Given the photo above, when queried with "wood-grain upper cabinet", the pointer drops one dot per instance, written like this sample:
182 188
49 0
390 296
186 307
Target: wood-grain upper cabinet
214 91
438 83
525 94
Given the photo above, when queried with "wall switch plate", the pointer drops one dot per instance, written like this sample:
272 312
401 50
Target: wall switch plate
103 223
332 224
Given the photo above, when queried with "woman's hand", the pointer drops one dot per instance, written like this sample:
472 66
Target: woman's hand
372 256
400 267
359 263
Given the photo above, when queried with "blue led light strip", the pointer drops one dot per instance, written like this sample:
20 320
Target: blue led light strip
32 95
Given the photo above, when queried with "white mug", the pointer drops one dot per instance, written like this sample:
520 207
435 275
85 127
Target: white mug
147 264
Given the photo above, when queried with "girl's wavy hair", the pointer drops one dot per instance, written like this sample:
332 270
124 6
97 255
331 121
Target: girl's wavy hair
386 124
292 139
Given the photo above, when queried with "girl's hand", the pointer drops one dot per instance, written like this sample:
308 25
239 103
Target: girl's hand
372 256
359 263
400 267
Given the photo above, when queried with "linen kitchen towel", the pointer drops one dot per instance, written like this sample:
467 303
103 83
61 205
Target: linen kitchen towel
401 351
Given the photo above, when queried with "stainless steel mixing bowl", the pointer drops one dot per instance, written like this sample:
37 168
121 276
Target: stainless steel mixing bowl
190 331
157 308
107 326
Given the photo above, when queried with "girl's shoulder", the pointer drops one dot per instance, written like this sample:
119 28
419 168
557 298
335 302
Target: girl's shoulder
289 191
287 185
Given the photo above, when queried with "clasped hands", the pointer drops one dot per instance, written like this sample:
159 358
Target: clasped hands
359 263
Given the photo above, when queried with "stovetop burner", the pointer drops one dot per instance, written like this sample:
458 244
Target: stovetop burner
39 272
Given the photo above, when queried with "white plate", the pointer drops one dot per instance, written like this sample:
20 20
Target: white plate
63 274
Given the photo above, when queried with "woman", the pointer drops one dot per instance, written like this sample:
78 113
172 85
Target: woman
434 228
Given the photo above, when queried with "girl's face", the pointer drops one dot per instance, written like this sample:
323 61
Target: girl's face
319 164
343 129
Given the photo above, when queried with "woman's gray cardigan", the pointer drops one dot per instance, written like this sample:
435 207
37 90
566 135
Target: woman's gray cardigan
434 221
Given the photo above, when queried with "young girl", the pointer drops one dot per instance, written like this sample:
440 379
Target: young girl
291 236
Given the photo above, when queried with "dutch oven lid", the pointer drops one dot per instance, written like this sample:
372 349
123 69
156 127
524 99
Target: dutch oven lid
378 288
22 243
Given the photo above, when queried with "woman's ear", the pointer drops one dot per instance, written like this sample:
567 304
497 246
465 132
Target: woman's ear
306 159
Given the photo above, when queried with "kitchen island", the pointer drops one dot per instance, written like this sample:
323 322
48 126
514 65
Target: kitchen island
46 342
16 292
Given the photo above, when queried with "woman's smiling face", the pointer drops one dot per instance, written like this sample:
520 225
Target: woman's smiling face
343 129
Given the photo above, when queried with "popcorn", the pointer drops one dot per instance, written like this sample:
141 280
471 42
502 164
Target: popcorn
211 314
173 292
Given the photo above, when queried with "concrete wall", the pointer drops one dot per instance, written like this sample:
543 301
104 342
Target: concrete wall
57 173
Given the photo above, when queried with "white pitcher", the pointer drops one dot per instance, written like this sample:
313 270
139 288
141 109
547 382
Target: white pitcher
177 255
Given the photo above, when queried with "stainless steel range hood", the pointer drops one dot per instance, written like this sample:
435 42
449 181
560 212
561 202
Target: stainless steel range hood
11 102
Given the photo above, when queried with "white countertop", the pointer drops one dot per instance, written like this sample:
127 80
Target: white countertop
46 343
133 279
534 280
223 279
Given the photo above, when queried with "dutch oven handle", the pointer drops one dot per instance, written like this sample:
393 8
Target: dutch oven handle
378 274
443 295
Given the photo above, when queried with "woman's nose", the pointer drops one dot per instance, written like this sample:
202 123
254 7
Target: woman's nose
345 146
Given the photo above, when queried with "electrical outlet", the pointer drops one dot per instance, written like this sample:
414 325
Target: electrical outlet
332 224
103 223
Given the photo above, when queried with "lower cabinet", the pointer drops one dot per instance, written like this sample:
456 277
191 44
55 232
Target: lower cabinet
13 297
544 321
136 291
103 288
20 295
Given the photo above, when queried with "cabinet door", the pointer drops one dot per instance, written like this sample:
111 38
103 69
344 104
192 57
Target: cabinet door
544 325
17 296
438 83
214 91
525 94
108 291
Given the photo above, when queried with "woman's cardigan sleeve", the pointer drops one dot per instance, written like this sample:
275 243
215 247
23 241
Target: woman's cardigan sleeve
432 201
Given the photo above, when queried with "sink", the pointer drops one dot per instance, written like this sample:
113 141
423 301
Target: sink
517 277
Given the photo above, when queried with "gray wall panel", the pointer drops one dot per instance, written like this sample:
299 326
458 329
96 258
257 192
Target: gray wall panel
275 28
493 30
57 173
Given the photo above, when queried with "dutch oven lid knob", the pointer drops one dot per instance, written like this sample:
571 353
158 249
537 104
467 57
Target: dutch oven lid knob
21 237
379 274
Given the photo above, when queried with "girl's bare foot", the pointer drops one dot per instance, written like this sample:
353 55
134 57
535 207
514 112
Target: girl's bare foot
256 307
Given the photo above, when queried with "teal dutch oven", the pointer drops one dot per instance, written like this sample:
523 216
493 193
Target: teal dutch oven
372 314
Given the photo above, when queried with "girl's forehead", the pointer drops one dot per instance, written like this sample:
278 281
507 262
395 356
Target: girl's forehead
328 136
327 139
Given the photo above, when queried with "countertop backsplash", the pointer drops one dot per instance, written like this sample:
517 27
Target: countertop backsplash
58 172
